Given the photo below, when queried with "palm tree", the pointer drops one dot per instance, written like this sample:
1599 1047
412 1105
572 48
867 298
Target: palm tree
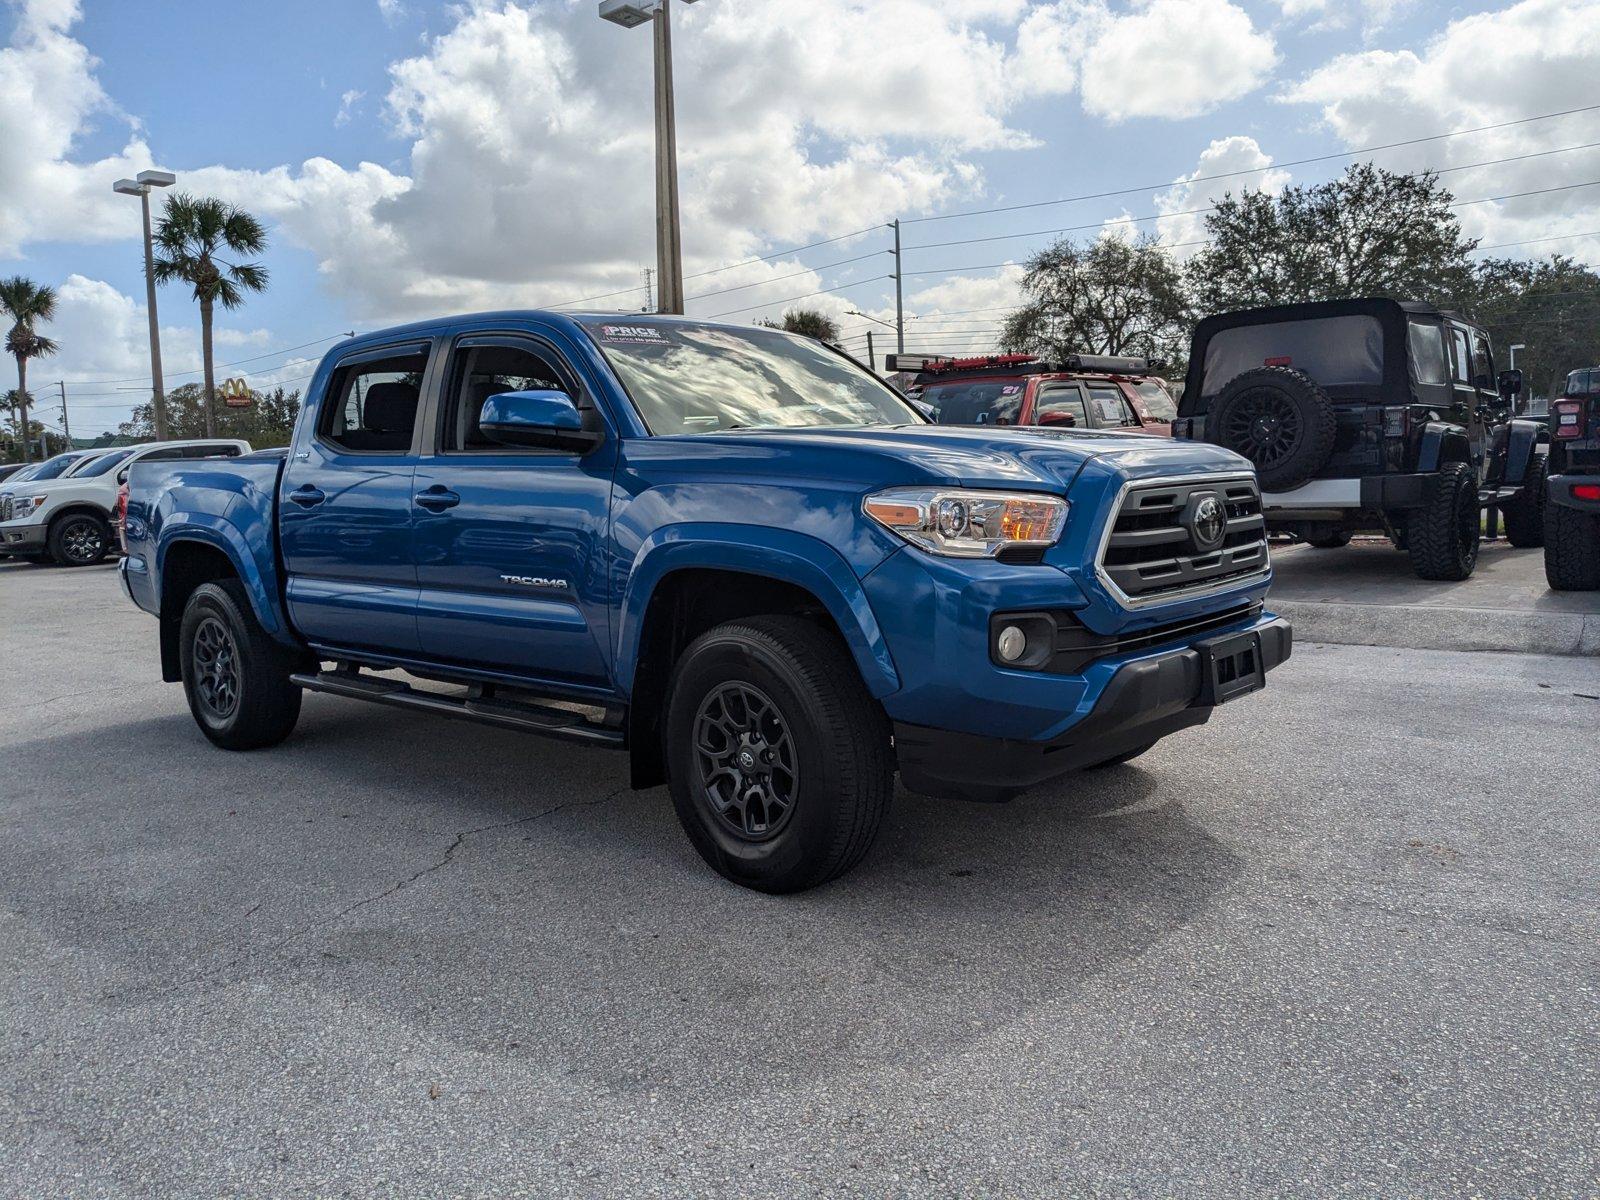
25 302
190 237
807 322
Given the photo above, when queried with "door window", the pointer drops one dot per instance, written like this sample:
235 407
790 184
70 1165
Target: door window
1059 400
482 371
372 405
1427 353
1157 401
1461 355
1482 361
1109 408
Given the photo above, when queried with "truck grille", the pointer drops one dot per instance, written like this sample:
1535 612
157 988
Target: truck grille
8 508
1176 538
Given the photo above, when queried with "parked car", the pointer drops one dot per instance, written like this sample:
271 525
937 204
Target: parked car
7 470
22 473
67 519
1370 415
731 551
1572 504
1085 391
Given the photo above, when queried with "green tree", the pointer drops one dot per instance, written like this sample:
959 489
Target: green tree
1110 296
1370 232
1551 306
807 322
191 238
26 303
268 421
12 441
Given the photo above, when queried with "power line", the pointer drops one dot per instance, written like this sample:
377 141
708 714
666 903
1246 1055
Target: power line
201 370
779 278
1298 162
790 300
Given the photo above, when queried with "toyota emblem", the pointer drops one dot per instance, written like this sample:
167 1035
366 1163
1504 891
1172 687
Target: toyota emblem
1207 522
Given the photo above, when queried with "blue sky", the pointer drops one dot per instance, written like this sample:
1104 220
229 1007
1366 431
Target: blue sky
413 158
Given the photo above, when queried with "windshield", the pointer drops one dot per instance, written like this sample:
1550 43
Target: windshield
99 466
49 469
687 378
975 402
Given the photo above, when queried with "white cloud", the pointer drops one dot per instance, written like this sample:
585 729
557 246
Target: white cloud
1323 16
1226 157
392 11
1481 70
1161 58
347 106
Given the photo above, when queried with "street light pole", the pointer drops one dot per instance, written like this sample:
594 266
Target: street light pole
669 240
140 186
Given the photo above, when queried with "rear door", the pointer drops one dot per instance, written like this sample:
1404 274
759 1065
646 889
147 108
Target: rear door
1108 407
345 504
511 542
1061 404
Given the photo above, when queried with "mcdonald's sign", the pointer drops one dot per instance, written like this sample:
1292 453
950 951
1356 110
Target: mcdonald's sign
236 393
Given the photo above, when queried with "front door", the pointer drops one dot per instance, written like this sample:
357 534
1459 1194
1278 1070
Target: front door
345 506
511 542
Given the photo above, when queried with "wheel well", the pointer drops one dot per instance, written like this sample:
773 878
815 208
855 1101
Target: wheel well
184 567
71 510
684 605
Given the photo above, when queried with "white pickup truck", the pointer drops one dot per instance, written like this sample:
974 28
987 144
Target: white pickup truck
67 519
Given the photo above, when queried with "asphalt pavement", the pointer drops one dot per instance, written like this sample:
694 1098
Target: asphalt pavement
1340 941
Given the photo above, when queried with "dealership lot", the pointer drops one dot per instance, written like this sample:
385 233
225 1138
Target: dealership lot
1339 941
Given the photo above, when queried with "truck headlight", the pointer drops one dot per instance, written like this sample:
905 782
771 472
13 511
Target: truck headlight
964 523
26 504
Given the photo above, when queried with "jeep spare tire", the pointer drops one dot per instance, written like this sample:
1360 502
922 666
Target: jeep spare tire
1280 419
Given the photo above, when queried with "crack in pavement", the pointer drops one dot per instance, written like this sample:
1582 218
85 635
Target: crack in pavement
310 926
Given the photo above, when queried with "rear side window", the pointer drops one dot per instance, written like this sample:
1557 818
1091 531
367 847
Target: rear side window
1108 406
1332 350
372 405
1428 364
984 402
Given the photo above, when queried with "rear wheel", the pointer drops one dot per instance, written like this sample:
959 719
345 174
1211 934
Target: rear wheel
1330 541
1524 516
1571 549
235 676
778 759
78 540
1442 538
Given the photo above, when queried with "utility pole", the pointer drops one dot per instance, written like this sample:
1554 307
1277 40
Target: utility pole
899 296
66 429
872 360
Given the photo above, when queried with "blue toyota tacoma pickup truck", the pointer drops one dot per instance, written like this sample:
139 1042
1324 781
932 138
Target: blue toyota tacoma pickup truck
734 553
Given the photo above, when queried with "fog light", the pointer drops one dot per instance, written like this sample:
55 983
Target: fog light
1012 643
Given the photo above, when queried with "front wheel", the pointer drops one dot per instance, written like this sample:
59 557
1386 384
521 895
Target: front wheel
235 676
79 540
778 759
1443 537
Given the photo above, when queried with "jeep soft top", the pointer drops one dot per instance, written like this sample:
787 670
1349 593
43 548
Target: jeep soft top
1370 414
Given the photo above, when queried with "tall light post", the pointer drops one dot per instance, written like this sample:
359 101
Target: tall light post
140 186
669 244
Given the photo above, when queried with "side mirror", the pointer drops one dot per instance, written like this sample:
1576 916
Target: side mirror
1058 417
1510 383
122 476
547 419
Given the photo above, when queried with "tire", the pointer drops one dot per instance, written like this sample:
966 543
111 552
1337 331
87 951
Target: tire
1571 549
1331 541
1119 759
78 540
1524 516
783 695
1443 537
258 706
1278 418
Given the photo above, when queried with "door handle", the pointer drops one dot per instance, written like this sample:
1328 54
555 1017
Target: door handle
307 496
438 498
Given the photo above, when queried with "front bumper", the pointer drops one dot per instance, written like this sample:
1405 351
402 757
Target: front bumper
17 537
1559 491
1145 699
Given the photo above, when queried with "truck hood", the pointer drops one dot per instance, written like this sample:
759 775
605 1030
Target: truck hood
988 456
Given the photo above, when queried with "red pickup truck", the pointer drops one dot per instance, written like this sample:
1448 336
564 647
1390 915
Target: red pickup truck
1085 391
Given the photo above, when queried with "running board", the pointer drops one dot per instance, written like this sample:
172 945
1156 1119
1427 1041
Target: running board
475 706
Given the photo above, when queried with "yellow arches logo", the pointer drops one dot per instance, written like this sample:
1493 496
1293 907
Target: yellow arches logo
235 393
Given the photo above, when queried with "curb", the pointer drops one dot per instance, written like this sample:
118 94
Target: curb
1412 627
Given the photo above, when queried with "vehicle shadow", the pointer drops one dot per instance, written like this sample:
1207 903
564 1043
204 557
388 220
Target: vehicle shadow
381 855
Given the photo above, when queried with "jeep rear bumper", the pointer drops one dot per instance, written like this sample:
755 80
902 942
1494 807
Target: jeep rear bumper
1146 699
1372 492
1560 492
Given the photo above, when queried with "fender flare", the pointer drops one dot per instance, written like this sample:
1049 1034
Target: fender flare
1442 443
1521 448
258 573
780 554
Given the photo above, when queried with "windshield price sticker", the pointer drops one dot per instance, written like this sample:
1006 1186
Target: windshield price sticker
1010 389
636 335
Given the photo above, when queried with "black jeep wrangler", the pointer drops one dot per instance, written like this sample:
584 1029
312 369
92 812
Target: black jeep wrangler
1370 415
1572 505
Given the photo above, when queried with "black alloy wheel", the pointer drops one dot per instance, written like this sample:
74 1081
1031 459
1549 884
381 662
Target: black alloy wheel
216 668
749 769
1263 426
79 541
